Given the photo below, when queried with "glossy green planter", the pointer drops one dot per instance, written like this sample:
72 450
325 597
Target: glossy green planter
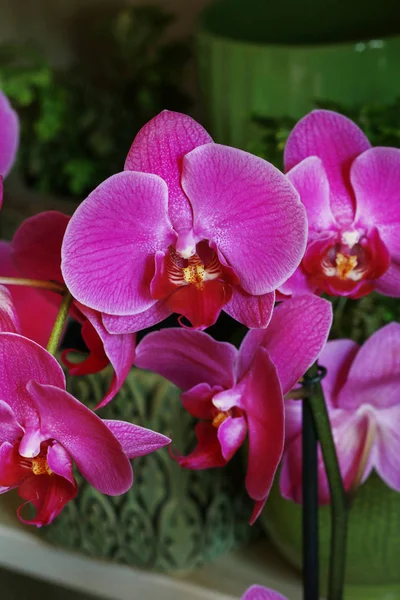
373 548
254 61
172 518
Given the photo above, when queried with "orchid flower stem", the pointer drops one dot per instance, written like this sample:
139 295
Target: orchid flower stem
53 286
339 502
59 324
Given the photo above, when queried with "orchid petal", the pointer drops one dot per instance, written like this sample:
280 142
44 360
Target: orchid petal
389 283
9 127
159 148
337 141
133 323
60 462
12 469
249 211
337 357
119 350
136 440
297 285
8 315
310 180
22 361
10 429
388 446
375 176
110 242
48 494
231 435
95 450
263 404
187 358
253 311
294 338
198 400
258 592
374 376
207 454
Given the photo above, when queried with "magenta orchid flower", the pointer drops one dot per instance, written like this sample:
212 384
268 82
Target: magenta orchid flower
9 137
351 194
362 390
36 312
190 227
36 250
238 394
43 430
259 592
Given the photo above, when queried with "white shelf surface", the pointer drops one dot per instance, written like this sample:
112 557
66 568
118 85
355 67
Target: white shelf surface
23 551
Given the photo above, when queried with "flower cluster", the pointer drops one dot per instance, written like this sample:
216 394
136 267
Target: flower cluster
193 228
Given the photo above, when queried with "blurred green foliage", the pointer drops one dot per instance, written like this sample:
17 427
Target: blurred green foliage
78 124
355 319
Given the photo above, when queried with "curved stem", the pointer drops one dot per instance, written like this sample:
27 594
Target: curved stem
339 503
35 283
58 327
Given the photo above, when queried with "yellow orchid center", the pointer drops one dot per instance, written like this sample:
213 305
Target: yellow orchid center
345 265
40 466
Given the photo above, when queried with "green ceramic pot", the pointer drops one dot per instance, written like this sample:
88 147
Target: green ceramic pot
265 59
373 548
172 518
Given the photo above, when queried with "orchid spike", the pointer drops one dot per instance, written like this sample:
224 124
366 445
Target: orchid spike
36 251
351 195
239 394
190 227
259 592
44 430
362 394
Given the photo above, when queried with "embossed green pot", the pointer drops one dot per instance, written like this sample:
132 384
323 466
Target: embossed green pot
373 547
275 59
171 518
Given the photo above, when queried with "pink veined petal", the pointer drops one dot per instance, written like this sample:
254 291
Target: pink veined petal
337 357
263 405
294 338
231 435
8 315
207 454
258 592
10 429
9 138
135 440
60 462
337 141
12 469
297 285
131 324
48 494
36 311
110 243
119 350
36 246
293 420
159 148
375 176
350 432
187 358
249 210
198 400
253 311
310 180
388 446
374 376
22 361
389 283
95 450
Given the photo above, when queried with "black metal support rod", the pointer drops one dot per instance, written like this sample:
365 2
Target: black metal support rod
310 505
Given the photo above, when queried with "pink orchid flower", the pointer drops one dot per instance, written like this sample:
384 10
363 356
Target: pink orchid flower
351 194
36 312
362 391
259 592
43 430
190 227
36 250
239 394
9 137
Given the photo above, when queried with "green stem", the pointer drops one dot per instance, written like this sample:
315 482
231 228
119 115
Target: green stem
35 283
339 504
58 327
